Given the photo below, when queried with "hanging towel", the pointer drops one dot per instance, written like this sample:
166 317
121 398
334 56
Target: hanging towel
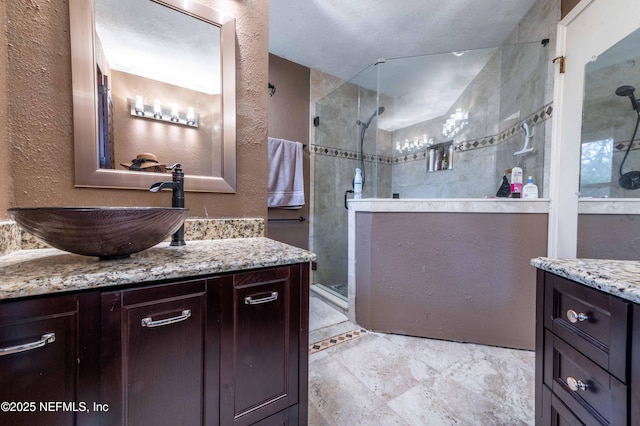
286 182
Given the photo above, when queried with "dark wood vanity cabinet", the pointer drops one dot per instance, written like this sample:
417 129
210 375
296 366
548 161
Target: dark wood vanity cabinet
260 360
48 357
587 368
159 353
219 350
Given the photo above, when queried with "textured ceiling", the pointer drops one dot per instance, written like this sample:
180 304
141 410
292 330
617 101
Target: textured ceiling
147 39
343 38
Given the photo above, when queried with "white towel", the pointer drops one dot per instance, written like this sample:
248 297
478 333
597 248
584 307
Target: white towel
286 181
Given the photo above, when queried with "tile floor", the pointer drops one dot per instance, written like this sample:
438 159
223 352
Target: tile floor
385 379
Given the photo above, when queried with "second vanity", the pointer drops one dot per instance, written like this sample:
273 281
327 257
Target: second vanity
587 342
214 332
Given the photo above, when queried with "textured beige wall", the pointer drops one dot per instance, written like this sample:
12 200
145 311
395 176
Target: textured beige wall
192 148
289 119
39 136
5 172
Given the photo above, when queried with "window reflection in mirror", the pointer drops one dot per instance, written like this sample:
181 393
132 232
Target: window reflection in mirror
609 119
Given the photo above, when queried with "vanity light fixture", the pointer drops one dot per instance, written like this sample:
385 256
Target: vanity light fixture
157 109
416 145
139 107
191 117
158 113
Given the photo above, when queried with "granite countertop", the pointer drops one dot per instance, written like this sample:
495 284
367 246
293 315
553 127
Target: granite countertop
44 271
617 277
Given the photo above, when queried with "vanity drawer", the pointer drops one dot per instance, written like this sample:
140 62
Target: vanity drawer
584 387
556 413
593 322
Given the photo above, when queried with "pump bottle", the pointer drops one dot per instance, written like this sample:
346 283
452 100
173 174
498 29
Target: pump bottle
357 184
530 190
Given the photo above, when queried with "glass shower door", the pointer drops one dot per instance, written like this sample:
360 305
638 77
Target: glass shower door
334 159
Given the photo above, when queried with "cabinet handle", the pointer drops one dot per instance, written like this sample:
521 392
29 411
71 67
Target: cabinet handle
574 317
46 338
576 385
149 322
249 300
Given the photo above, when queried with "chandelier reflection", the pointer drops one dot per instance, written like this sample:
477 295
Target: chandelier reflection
455 123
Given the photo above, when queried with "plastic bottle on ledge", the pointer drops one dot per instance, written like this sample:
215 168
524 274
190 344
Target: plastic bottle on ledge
530 190
357 184
445 160
516 182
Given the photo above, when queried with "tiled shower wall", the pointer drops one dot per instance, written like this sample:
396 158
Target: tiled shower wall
509 91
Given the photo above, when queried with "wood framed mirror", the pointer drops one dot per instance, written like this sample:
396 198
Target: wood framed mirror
175 59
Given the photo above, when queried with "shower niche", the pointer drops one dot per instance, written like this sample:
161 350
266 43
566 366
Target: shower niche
440 156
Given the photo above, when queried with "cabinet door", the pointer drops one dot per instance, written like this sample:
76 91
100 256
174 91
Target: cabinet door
153 355
41 357
260 326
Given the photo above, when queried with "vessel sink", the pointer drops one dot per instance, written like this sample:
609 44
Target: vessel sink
106 232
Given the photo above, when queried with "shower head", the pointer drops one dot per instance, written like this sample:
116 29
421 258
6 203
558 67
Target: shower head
379 111
628 91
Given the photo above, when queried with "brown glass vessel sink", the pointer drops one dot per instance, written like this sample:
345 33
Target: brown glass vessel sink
106 232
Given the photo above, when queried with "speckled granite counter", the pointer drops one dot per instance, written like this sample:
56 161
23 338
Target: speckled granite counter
617 277
43 271
13 238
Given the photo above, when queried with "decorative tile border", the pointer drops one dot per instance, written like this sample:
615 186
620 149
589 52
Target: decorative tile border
622 146
538 117
345 153
336 340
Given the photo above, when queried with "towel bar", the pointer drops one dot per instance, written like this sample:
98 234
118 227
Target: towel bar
297 219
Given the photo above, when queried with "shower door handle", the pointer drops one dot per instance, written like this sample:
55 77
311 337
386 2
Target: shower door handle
348 191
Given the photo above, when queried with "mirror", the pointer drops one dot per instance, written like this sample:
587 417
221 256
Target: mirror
153 77
609 165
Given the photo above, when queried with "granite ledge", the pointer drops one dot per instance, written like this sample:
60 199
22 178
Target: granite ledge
46 271
619 278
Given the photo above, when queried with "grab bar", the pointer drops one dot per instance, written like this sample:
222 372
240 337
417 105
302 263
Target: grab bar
348 191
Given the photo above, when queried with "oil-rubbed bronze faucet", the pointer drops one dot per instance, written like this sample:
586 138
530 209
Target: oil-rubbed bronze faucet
177 198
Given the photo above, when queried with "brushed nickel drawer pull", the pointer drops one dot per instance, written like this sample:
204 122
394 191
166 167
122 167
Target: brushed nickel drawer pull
576 385
46 338
574 317
149 322
249 300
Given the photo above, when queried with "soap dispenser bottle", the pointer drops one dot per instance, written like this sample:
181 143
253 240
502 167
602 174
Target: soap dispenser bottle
516 182
530 190
357 184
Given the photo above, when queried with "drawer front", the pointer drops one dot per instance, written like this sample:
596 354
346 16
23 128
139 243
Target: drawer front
557 414
38 360
153 360
259 334
584 387
591 321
